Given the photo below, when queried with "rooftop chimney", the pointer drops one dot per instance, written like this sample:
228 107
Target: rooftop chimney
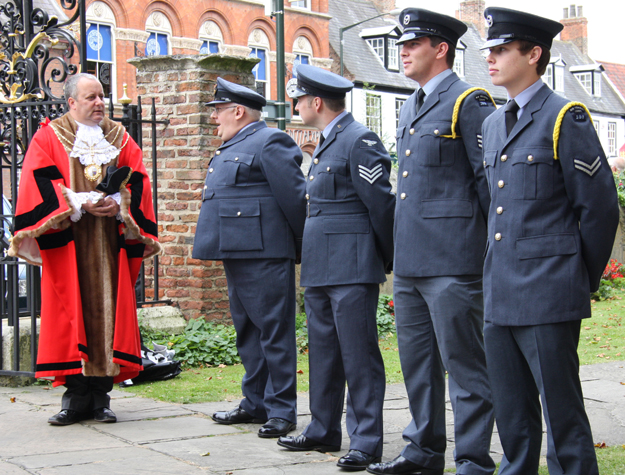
472 11
384 5
575 28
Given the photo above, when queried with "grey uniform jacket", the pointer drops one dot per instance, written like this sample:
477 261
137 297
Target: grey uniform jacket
552 222
442 194
348 237
253 204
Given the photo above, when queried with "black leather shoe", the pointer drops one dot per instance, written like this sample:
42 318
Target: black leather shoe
104 414
276 427
65 417
401 466
236 416
356 460
301 443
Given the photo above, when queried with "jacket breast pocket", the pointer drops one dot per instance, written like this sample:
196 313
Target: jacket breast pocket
490 157
239 225
436 148
532 174
237 168
331 179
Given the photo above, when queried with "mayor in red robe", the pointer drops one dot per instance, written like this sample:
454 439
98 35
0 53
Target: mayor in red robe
90 247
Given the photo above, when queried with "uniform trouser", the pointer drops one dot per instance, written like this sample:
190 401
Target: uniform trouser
86 393
262 303
343 347
527 365
439 327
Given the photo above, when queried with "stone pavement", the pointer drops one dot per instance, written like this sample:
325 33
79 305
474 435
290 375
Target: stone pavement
161 438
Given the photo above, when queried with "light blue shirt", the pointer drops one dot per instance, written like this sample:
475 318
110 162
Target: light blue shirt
433 83
331 125
523 98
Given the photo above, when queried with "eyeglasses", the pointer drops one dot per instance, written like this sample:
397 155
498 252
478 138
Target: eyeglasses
218 111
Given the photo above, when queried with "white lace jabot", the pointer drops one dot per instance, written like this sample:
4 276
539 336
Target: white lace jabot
90 146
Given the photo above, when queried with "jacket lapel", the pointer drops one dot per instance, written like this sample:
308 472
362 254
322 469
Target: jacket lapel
242 134
535 104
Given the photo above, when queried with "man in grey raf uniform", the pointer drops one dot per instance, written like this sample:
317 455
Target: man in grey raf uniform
551 227
347 245
440 238
252 218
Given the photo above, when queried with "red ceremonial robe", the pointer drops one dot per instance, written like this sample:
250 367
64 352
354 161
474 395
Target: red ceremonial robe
89 268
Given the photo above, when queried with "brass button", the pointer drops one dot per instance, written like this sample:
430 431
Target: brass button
436 132
238 213
403 196
407 153
530 158
405 174
236 159
411 131
504 158
498 237
218 152
500 184
499 210
311 177
484 162
307 196
205 187
210 170
328 168
315 161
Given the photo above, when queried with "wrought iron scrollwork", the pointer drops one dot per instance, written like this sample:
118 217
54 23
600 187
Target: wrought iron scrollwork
35 55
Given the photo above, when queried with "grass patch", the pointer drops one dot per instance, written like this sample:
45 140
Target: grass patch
602 337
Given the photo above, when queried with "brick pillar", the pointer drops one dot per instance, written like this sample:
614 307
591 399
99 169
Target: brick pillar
181 85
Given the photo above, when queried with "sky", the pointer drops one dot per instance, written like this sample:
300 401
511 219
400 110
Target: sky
606 20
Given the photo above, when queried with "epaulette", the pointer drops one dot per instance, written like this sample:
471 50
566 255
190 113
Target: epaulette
556 129
456 113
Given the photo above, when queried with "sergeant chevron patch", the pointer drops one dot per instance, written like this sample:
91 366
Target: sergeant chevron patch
479 140
370 174
588 169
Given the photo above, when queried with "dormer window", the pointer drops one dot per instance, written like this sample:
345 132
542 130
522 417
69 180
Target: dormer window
589 76
554 74
383 42
459 60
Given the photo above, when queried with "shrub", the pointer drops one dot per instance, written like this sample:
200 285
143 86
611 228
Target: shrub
611 279
385 315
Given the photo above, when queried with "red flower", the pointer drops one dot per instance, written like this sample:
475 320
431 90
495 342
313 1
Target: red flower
391 304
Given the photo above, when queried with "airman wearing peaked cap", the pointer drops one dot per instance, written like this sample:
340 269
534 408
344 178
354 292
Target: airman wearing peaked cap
505 26
418 22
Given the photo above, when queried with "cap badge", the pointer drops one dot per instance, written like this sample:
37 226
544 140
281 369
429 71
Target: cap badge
489 21
406 19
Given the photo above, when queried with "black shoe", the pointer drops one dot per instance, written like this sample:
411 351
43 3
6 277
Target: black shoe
65 417
104 414
236 416
301 443
356 460
401 466
276 427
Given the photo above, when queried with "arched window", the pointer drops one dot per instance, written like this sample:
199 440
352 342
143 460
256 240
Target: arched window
259 43
211 37
101 45
158 43
302 49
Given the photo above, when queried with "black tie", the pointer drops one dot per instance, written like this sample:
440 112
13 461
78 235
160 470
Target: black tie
321 139
420 99
511 118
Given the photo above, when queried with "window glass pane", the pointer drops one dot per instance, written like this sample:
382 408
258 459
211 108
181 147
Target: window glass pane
99 43
459 63
393 61
585 79
611 138
156 45
211 47
597 83
259 70
548 76
398 105
378 46
299 59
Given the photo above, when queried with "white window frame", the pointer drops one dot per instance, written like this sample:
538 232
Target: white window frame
158 23
399 102
210 32
258 39
377 45
392 54
612 139
373 113
100 13
303 4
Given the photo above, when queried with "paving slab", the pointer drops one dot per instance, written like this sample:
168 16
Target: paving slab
129 461
139 408
177 428
8 468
